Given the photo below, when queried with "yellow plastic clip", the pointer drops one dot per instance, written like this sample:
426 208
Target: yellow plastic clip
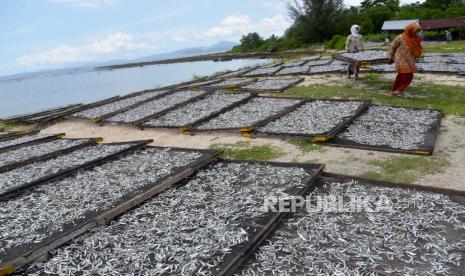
5 270
247 134
321 138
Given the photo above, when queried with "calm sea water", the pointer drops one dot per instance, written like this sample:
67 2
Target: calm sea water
41 91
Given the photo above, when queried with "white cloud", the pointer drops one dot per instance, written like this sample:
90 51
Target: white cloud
234 26
115 45
85 3
179 38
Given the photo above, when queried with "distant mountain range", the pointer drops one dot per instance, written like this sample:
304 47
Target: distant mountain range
219 47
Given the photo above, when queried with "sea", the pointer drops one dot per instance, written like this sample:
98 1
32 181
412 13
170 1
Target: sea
34 92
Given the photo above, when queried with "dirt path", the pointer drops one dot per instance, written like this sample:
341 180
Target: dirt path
450 146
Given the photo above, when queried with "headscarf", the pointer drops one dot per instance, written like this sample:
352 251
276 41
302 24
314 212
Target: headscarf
411 38
354 30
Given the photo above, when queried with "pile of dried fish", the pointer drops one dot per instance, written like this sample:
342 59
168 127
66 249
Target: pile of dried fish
115 106
368 55
423 235
184 231
315 117
294 70
231 83
37 170
195 111
272 84
255 110
438 67
22 139
155 106
394 127
264 71
338 67
27 152
33 217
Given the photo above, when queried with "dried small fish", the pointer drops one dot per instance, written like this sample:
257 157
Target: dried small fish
47 210
27 152
272 84
183 231
231 83
294 70
154 106
423 235
192 112
395 127
40 169
247 114
315 117
265 71
116 105
368 55
22 139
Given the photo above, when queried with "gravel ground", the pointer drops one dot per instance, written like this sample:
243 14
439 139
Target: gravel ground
24 153
231 83
422 235
272 84
294 70
192 112
115 106
154 106
316 117
247 114
398 128
263 71
40 169
31 218
21 140
184 231
366 55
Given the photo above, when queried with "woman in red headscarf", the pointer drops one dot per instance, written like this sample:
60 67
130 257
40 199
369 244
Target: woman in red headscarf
405 49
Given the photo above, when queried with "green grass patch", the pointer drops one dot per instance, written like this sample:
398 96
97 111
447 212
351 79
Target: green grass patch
406 169
307 146
8 126
450 99
452 47
246 151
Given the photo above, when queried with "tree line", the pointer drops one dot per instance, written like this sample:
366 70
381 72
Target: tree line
317 21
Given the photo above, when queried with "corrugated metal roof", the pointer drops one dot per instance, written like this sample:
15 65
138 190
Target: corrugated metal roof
443 23
395 25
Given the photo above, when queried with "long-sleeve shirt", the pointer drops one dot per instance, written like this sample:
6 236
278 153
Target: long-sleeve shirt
404 58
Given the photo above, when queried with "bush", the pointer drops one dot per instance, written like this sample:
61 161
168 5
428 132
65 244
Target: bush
374 37
335 41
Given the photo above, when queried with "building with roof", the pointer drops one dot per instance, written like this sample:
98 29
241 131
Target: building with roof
397 25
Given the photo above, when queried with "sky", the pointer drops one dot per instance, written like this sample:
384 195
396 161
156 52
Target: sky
49 34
